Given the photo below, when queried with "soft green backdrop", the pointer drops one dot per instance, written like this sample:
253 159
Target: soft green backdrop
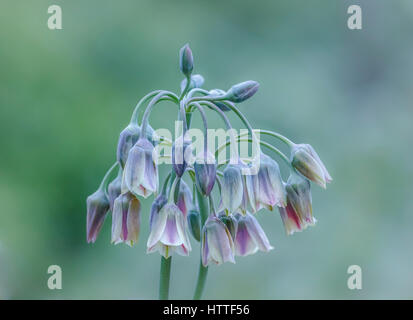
65 95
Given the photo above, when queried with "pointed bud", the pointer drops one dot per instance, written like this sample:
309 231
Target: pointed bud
297 215
270 190
196 82
230 222
242 91
186 60
219 92
216 244
168 232
184 201
97 207
114 189
141 171
181 150
126 219
308 163
250 236
205 172
194 223
232 191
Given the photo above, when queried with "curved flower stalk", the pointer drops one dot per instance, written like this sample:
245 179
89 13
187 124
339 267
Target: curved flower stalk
246 185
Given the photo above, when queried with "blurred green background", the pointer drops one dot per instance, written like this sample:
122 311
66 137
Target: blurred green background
65 95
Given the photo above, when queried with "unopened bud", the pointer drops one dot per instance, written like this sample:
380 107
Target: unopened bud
242 91
194 223
186 60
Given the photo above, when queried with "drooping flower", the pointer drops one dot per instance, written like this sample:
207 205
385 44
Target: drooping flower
126 219
168 232
181 149
230 222
97 208
232 191
114 189
250 237
308 163
141 171
205 172
297 215
267 186
127 139
184 201
216 243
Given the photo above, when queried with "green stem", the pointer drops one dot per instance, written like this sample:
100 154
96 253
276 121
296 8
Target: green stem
203 271
164 279
105 179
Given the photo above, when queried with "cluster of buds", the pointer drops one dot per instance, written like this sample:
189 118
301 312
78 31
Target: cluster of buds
183 203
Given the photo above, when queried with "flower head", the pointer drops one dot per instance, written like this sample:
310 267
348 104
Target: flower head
205 172
181 149
126 219
127 139
308 163
250 237
232 191
168 231
141 172
216 243
297 215
97 207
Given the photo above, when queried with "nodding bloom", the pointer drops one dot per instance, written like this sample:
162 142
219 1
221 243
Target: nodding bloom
268 187
242 91
297 215
168 231
216 243
230 222
181 149
114 189
308 163
250 237
127 139
97 208
232 191
126 219
205 172
184 201
141 171
237 190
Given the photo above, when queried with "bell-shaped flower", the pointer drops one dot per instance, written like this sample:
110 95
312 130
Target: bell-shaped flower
97 208
250 237
168 231
230 222
205 172
267 186
306 161
216 243
126 219
297 215
184 201
232 191
114 189
127 139
141 171
181 151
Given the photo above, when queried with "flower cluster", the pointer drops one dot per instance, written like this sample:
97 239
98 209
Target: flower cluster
184 202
